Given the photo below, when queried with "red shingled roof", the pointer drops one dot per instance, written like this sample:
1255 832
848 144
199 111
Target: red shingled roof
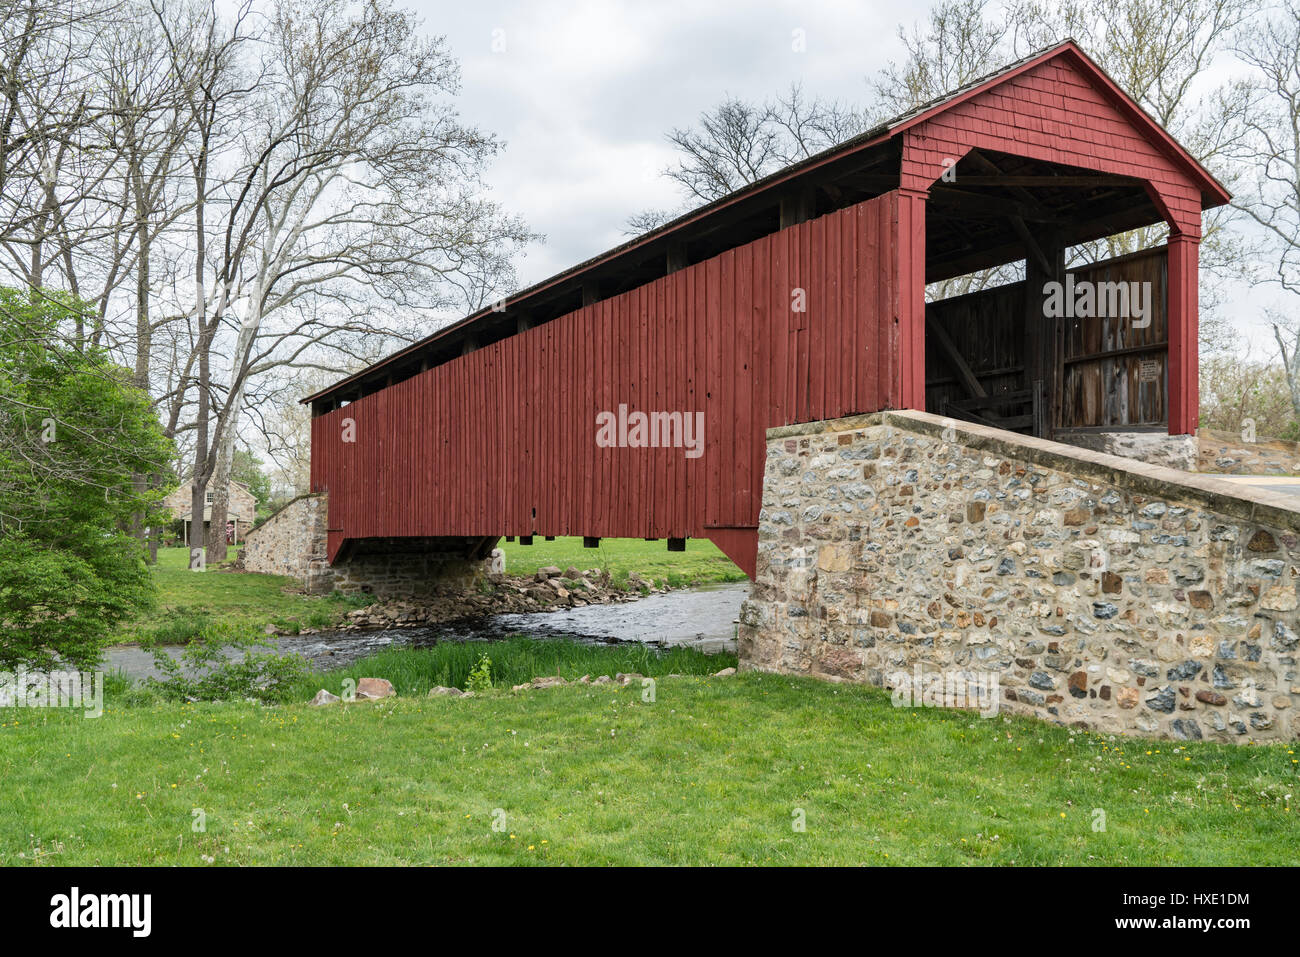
1212 191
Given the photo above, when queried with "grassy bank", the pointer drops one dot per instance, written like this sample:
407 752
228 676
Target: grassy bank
714 770
701 563
414 671
221 602
215 602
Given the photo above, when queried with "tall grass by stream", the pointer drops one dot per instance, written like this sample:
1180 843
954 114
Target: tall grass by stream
413 671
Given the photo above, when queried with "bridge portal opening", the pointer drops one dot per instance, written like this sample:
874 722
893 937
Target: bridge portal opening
1018 340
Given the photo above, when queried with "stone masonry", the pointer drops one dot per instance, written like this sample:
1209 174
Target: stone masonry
408 574
292 542
1234 454
1153 447
1101 592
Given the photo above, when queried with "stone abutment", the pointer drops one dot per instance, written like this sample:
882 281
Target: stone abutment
1095 591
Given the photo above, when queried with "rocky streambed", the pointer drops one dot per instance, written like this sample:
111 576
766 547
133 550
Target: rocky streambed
702 617
550 589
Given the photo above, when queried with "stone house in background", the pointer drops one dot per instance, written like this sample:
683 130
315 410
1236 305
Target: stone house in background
241 509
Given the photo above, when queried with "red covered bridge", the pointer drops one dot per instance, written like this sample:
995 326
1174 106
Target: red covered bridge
801 297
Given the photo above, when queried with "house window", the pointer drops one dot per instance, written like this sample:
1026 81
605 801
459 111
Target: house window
208 498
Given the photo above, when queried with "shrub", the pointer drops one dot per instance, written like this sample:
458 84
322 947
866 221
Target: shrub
480 678
225 667
76 441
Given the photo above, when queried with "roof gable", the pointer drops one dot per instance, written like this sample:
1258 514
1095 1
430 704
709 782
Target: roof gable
1060 106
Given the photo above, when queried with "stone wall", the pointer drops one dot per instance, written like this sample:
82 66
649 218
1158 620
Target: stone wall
1153 447
1209 451
394 573
292 542
1099 592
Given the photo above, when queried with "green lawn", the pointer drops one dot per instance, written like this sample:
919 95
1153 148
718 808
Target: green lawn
701 563
714 770
193 603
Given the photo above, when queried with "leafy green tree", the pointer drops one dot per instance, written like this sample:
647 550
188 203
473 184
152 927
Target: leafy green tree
247 468
74 433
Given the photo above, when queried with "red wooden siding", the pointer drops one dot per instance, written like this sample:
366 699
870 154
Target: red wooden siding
1184 336
503 441
1054 113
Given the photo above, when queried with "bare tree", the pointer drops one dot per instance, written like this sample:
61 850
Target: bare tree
1269 193
1237 388
1160 52
66 119
49 113
647 220
284 424
86 191
348 205
147 130
960 41
733 145
239 192
203 51
739 142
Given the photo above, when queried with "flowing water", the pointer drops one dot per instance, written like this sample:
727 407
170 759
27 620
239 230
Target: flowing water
702 617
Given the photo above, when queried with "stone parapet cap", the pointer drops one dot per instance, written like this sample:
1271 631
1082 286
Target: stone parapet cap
1259 506
293 501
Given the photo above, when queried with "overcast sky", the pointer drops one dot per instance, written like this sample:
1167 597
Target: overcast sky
583 93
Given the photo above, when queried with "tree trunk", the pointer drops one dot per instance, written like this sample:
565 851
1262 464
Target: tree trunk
228 428
217 549
143 346
207 331
1290 365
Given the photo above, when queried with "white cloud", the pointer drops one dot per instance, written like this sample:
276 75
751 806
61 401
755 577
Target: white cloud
584 94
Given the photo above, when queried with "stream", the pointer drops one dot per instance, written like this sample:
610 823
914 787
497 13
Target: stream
703 618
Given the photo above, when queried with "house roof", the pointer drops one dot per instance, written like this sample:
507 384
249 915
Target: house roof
185 485
232 514
1212 191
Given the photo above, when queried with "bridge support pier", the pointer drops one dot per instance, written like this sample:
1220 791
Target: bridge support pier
942 560
293 542
412 568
